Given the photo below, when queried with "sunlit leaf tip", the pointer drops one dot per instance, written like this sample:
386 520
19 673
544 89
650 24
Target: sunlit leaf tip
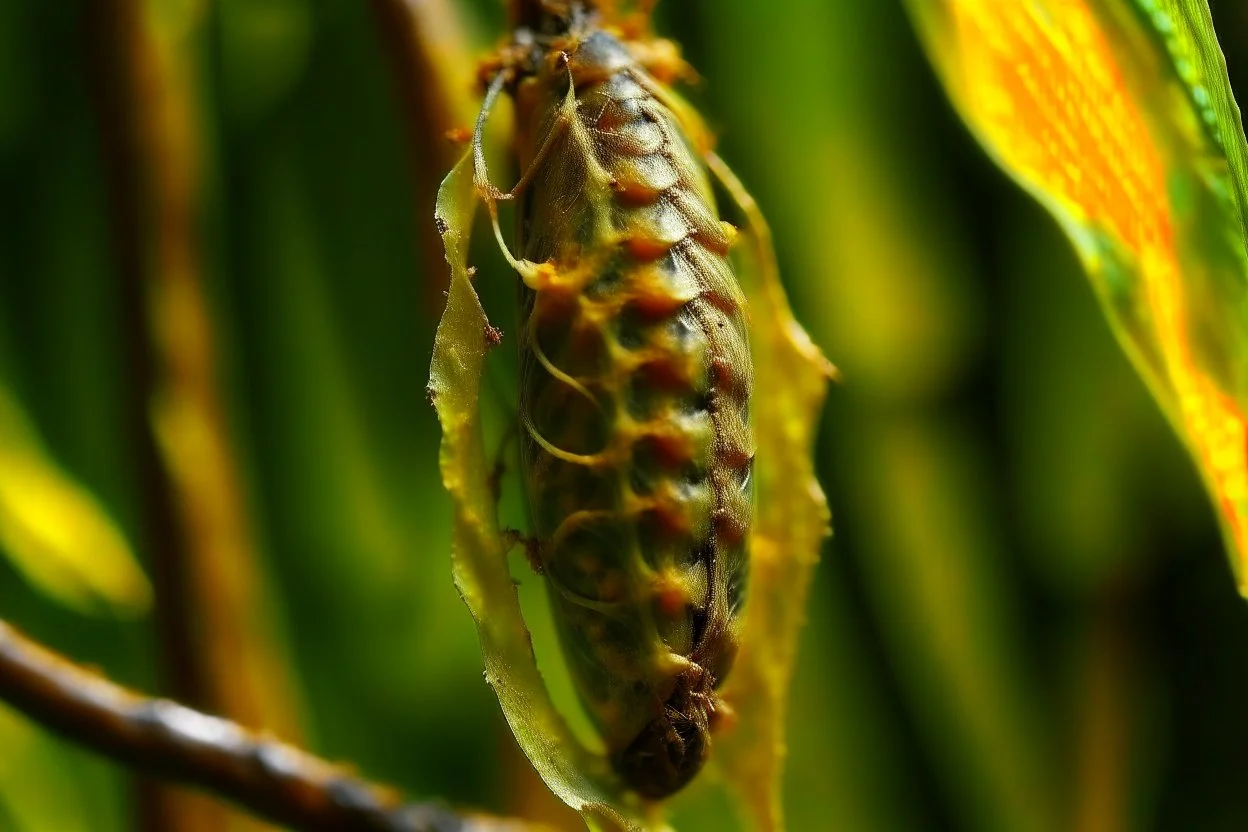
1118 116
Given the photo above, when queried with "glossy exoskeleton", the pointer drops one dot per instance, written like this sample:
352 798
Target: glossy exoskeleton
635 383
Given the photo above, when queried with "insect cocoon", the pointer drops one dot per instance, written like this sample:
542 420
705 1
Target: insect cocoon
635 386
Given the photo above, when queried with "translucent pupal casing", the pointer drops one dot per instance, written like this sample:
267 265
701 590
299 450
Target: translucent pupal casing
635 394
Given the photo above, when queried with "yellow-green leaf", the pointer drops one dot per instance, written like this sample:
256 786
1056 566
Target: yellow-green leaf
40 784
575 774
791 522
56 533
1118 116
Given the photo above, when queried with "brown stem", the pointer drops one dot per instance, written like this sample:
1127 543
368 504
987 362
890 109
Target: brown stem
433 70
218 647
110 33
1105 763
167 740
122 150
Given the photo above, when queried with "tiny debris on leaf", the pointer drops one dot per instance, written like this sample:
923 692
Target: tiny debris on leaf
493 335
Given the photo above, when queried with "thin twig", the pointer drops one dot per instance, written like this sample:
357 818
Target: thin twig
218 646
433 68
1106 761
167 740
110 31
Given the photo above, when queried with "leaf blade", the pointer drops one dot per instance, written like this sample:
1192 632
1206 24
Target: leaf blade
1118 118
578 777
55 531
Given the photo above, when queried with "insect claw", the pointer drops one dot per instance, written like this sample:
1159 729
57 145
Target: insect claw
532 548
533 554
490 193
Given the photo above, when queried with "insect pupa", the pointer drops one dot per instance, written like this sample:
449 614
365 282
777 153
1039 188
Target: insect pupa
635 381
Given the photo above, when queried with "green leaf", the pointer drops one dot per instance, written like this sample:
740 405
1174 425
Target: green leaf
56 533
790 524
1118 116
576 775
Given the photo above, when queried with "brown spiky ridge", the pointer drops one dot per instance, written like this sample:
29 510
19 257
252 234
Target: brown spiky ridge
635 393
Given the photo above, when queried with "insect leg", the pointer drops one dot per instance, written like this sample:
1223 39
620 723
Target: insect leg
567 111
532 273
540 354
480 174
532 548
760 231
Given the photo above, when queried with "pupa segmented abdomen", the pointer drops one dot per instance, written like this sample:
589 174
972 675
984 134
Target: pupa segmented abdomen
636 381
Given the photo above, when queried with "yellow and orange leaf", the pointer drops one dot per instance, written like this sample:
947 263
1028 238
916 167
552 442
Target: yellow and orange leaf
1117 115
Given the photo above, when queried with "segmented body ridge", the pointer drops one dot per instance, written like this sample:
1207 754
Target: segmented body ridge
635 394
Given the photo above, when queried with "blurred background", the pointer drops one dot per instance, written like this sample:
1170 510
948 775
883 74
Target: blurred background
218 222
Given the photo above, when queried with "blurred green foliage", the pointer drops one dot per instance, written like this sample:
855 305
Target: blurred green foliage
1025 620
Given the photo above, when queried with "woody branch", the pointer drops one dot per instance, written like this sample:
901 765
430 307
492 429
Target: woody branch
167 740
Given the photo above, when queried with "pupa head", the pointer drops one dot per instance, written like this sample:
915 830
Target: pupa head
674 746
